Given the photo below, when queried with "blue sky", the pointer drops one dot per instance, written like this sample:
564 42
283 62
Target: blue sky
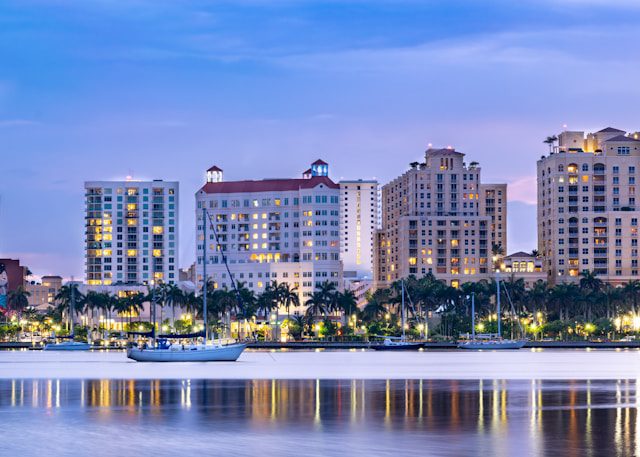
101 89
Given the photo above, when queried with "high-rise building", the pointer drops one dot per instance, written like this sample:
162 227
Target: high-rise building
436 219
284 230
131 232
493 199
358 222
587 210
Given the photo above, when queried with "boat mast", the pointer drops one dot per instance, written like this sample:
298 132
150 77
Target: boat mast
473 315
403 331
498 302
204 274
72 308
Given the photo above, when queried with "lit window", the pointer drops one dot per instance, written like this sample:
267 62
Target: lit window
157 252
132 253
158 230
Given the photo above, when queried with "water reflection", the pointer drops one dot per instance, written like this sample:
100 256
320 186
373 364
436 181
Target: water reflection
492 417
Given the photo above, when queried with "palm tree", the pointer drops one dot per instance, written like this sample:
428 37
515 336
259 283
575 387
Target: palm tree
347 302
174 296
590 285
63 298
288 296
316 305
631 292
18 300
550 141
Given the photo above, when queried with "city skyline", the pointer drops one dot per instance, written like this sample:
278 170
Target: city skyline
262 89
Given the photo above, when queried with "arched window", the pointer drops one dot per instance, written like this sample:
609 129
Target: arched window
598 168
585 167
572 168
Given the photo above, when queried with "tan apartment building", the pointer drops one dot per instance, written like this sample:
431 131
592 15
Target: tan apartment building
587 211
522 265
439 218
43 294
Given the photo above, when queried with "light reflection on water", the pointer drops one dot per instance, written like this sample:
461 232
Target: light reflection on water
313 417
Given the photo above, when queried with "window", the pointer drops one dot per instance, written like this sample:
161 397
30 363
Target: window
623 150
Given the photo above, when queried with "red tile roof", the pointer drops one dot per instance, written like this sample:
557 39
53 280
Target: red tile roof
267 185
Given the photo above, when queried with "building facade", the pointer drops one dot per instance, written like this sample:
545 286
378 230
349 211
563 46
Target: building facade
131 232
435 221
284 230
358 222
587 210
43 294
525 266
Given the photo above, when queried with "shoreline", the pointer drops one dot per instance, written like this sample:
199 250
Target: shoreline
532 364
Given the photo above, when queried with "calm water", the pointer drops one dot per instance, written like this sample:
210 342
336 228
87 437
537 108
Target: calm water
318 418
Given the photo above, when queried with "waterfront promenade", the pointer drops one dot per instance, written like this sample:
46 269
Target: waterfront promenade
354 364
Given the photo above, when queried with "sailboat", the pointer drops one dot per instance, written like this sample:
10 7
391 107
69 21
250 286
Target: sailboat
490 341
162 351
69 345
394 343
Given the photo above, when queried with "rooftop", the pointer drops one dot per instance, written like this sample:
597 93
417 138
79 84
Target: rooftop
621 139
610 130
267 185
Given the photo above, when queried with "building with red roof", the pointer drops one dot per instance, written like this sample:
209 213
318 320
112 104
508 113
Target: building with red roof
284 230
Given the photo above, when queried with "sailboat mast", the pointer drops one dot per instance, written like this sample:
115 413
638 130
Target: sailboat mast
204 274
403 331
72 308
498 303
473 315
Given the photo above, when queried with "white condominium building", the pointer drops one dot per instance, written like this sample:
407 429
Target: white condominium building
587 210
358 220
438 218
284 230
131 232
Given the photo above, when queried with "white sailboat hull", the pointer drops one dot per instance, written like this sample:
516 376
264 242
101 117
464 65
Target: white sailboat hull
228 353
67 346
492 345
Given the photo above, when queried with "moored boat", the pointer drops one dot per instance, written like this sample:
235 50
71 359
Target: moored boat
395 343
491 341
162 351
195 353
67 346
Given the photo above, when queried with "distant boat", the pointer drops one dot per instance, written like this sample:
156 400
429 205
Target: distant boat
69 345
490 341
162 351
395 343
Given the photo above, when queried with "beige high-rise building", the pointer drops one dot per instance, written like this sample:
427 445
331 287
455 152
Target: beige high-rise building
493 198
439 218
358 221
587 211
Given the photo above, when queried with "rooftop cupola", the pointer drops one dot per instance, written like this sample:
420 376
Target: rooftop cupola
214 174
320 168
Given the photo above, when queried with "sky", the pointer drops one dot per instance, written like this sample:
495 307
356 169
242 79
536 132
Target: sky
102 89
